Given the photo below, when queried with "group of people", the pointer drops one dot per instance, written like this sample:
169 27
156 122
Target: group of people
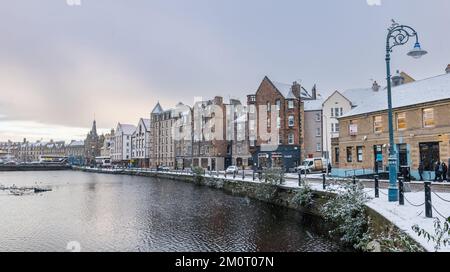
441 173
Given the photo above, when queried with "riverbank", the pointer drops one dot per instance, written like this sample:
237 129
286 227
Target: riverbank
35 167
384 214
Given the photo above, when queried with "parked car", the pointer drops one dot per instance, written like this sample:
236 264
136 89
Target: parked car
313 165
232 170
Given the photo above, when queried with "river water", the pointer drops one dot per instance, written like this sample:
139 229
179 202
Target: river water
100 212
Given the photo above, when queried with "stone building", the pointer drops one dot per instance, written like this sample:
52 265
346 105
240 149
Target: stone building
183 136
121 144
276 114
211 148
75 152
313 133
140 144
105 150
240 152
92 144
421 111
32 152
162 147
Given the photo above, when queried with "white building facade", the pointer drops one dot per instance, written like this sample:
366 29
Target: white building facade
140 144
121 144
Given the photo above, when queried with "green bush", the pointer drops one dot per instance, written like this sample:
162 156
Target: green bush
198 174
273 175
304 196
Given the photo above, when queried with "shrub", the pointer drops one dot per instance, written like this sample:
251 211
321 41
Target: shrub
304 196
198 174
347 213
441 236
273 175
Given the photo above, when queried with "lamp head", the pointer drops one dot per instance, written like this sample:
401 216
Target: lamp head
417 52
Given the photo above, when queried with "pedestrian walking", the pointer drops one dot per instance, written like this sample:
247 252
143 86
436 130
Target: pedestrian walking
438 172
444 171
421 171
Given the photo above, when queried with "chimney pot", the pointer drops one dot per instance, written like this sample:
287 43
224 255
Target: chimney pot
447 70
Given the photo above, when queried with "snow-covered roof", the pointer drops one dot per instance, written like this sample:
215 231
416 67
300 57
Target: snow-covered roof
313 105
357 96
417 92
76 143
146 123
157 109
126 128
286 90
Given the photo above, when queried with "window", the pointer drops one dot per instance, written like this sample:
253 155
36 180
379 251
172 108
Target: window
333 128
336 154
318 117
429 155
401 121
268 122
332 112
359 151
268 106
336 112
428 117
278 122
318 147
280 139
349 154
291 121
318 132
278 104
378 124
290 104
291 138
341 111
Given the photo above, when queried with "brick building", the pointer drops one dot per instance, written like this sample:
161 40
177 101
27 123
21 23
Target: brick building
276 124
162 146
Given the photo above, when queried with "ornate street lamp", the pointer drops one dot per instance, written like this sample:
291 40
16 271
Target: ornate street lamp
398 35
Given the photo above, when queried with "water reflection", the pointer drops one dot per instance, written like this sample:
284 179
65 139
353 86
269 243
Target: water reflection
124 213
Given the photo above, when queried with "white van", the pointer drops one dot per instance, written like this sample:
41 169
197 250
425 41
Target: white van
313 165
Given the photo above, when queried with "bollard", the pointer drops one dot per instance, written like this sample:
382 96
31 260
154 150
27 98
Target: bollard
225 174
234 174
401 193
377 187
354 180
299 178
260 176
281 178
243 174
428 207
253 175
324 182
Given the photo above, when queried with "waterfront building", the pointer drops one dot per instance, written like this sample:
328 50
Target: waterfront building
162 146
92 144
313 132
140 144
105 150
121 144
183 136
31 152
276 114
241 155
75 152
212 146
421 111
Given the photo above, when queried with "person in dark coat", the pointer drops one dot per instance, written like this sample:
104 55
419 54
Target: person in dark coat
444 171
329 168
421 169
438 172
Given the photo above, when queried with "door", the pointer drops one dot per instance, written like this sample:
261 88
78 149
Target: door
402 156
378 158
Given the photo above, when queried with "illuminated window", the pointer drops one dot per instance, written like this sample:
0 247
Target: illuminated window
378 124
401 121
291 121
428 117
290 104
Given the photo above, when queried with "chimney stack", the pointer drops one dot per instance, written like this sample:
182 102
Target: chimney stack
296 89
447 70
375 86
398 79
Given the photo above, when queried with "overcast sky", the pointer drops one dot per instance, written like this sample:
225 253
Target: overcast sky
62 64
